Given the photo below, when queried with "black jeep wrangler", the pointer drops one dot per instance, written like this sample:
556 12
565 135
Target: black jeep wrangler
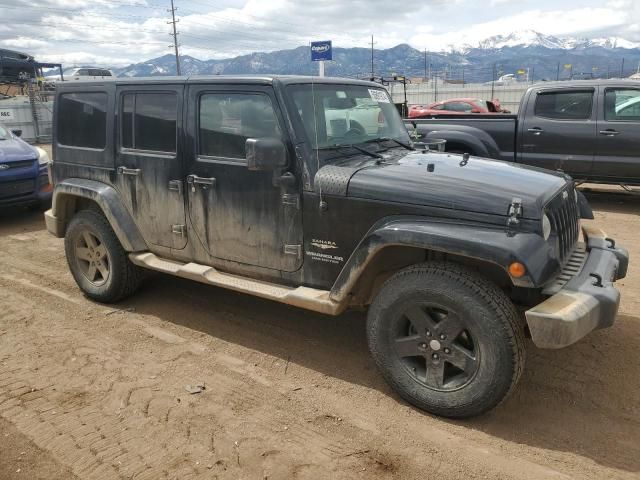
308 191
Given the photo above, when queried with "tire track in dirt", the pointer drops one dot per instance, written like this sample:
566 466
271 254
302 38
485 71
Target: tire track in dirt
115 382
232 405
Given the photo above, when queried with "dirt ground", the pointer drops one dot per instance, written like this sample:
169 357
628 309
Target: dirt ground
98 392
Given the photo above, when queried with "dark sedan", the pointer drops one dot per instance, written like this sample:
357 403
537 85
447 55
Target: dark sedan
24 179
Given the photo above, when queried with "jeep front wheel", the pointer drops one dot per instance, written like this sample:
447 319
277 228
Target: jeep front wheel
97 261
446 339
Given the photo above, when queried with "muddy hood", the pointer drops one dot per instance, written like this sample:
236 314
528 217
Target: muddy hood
444 180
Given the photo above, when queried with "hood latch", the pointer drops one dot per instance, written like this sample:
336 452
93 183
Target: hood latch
515 213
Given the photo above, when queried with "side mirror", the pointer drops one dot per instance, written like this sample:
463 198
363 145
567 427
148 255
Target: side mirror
17 133
265 153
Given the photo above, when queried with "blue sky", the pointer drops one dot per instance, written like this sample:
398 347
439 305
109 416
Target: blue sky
119 32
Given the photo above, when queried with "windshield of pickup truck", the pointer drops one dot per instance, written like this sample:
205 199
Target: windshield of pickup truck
347 114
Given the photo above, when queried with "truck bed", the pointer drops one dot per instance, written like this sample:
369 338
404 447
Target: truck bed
496 132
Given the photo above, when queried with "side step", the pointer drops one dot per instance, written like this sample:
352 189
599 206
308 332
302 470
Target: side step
303 297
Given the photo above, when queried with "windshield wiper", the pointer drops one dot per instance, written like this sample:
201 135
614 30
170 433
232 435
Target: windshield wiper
389 139
355 147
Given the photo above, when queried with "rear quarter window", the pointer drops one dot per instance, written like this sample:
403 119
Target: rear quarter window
82 120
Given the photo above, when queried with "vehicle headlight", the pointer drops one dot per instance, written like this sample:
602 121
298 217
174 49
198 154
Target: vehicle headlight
43 156
546 227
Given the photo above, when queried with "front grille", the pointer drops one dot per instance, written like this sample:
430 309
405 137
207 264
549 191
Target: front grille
13 165
14 189
562 211
571 268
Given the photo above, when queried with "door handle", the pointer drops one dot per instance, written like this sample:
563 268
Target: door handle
204 182
609 132
134 172
535 130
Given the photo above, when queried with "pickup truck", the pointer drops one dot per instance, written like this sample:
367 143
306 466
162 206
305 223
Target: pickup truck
589 129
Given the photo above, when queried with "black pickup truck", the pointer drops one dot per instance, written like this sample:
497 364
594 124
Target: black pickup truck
589 129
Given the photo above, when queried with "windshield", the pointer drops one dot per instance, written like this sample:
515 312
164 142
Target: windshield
4 134
346 114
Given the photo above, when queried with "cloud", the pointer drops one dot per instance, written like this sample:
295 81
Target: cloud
119 32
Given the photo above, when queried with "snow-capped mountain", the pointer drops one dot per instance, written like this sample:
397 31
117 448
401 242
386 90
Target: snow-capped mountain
543 56
531 38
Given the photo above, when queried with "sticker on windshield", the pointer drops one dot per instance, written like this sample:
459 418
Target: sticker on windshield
378 95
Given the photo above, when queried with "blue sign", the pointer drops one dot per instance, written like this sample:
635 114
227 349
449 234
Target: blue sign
321 51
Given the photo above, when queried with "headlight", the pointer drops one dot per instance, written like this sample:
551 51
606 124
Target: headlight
43 156
546 227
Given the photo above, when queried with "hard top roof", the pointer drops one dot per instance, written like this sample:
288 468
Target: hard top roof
588 83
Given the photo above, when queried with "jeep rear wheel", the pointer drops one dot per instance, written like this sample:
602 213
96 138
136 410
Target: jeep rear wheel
446 339
97 261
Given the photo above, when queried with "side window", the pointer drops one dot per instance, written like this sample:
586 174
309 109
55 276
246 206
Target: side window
82 72
82 120
620 104
149 121
458 107
227 120
565 105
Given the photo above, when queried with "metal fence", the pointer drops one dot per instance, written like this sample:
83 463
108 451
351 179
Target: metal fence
429 92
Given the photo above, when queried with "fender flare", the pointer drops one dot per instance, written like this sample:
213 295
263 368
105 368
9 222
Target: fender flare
107 198
479 146
484 243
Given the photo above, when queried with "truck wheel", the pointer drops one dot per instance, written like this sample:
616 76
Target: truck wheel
97 261
446 339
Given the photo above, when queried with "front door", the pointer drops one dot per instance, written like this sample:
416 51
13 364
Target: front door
618 152
148 166
249 217
559 131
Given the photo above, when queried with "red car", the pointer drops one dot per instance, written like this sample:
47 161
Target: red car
457 106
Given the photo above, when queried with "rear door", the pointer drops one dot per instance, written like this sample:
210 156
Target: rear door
149 161
240 215
559 130
618 148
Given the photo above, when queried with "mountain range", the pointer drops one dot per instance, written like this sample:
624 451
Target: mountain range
530 53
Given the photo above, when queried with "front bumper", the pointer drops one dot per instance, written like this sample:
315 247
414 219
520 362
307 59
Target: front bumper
25 189
587 301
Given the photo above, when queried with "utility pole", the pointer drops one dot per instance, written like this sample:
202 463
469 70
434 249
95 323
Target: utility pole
425 63
622 69
493 80
558 72
175 35
372 44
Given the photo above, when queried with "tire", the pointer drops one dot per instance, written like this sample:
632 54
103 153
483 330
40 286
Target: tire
476 362
97 261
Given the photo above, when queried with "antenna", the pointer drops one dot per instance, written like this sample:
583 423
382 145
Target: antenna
372 44
315 128
174 35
